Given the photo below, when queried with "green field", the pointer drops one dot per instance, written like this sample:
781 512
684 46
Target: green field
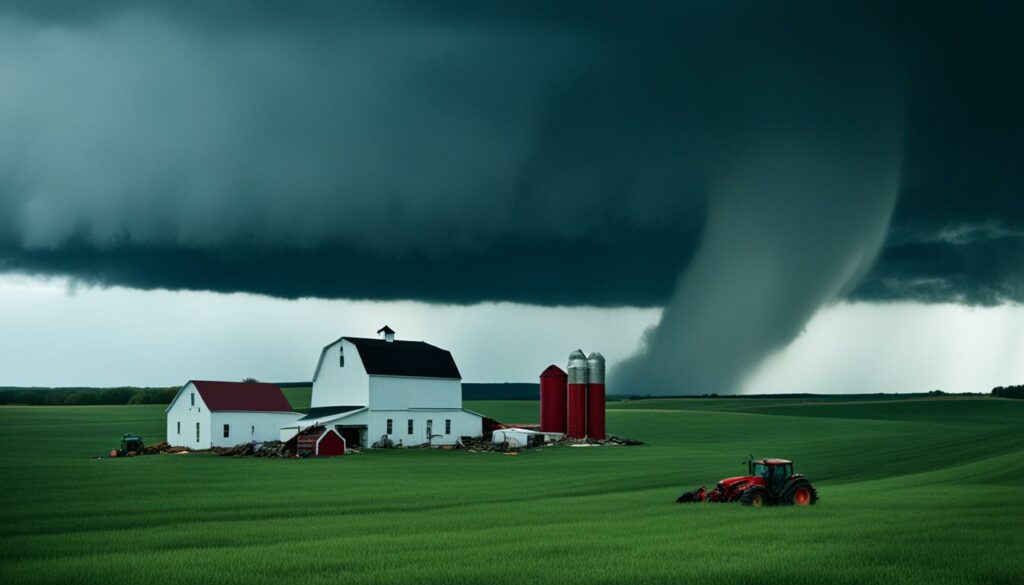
912 491
299 397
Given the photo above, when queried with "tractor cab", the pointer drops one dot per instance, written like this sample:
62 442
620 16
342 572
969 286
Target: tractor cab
130 442
774 472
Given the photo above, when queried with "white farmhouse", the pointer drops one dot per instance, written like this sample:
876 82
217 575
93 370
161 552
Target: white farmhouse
408 391
206 414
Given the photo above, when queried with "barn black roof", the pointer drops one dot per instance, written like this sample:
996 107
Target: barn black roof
405 358
318 412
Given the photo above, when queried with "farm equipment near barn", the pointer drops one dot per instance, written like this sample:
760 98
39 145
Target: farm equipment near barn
769 482
130 445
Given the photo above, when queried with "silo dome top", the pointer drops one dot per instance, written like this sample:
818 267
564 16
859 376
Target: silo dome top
596 355
553 371
577 367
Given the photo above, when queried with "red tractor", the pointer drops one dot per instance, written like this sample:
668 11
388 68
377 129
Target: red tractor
769 482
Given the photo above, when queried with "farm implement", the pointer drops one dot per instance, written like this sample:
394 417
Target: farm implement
769 482
131 445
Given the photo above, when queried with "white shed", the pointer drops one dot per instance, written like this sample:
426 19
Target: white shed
206 414
522 438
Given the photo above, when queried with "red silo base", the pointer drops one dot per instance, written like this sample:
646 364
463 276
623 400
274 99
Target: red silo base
577 411
552 400
595 411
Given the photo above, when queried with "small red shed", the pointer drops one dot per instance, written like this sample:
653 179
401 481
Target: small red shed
319 442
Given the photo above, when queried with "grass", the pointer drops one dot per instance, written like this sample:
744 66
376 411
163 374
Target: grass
299 397
914 491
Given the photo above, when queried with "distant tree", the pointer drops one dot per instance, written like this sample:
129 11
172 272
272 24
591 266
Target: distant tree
250 381
166 395
55 397
153 396
116 395
35 398
82 397
28 397
1009 391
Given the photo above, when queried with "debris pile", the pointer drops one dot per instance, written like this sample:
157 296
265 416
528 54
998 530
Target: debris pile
476 445
254 449
609 441
385 442
614 440
162 447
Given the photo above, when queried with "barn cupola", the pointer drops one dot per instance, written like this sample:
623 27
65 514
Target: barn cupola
386 333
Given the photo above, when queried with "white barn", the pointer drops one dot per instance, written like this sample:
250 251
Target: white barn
206 414
408 391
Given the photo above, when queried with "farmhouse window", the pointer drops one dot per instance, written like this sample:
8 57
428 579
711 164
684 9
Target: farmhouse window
252 431
391 426
447 426
179 427
193 395
227 431
430 427
197 432
341 356
410 426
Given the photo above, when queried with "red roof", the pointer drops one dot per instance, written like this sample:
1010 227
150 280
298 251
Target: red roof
245 396
553 371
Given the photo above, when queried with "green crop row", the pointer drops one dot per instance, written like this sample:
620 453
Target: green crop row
913 491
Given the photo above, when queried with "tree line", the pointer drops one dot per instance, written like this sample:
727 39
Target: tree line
85 396
1009 391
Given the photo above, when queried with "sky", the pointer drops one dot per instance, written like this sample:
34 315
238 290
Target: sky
717 194
121 336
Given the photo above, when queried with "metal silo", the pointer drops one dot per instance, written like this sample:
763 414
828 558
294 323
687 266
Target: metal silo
552 399
576 410
595 396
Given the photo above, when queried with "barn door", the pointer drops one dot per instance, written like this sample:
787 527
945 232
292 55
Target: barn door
350 434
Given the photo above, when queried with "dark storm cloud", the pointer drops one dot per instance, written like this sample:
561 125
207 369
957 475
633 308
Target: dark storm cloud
509 270
958 229
738 162
975 265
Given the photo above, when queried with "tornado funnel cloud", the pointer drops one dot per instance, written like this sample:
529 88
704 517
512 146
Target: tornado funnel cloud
790 228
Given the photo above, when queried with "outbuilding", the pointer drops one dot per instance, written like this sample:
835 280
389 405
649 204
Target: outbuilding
206 414
520 438
319 442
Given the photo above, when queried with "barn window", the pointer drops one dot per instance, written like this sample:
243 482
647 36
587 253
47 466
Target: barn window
410 426
430 427
197 432
341 356
447 426
193 395
227 431
391 426
179 427
252 431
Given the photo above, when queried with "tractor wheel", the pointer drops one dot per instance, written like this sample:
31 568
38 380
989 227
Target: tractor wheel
756 496
800 494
